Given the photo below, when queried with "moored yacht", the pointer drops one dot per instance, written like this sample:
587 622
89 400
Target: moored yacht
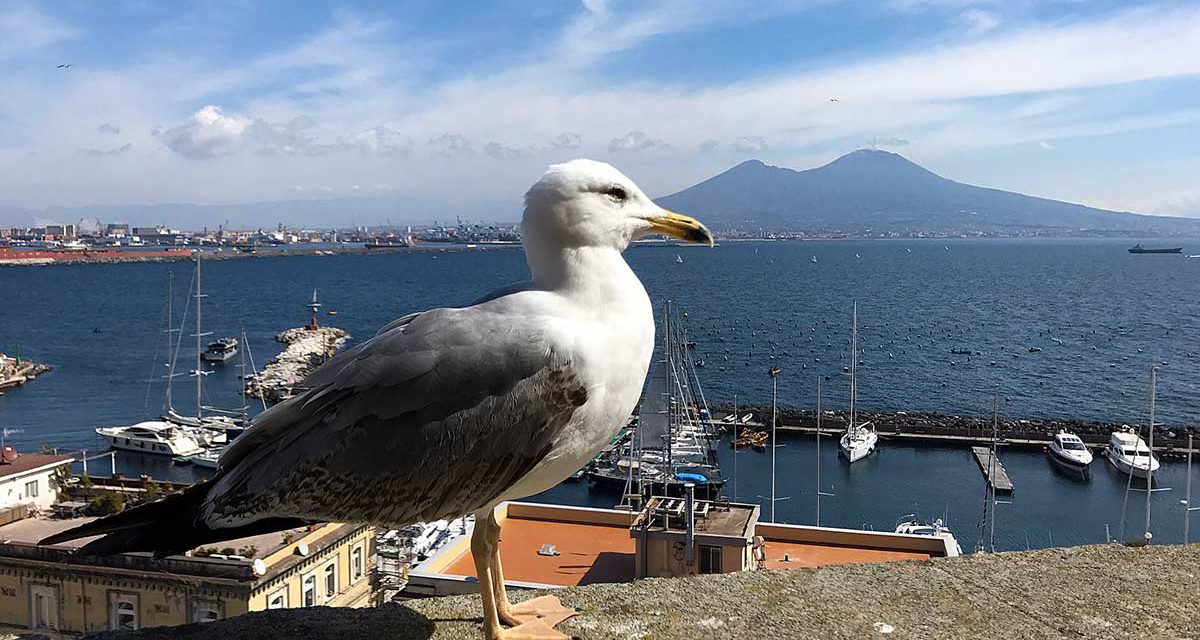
221 350
1129 453
912 525
207 459
151 436
1068 451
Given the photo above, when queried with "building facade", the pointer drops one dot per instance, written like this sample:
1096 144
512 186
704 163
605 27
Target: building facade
48 590
28 479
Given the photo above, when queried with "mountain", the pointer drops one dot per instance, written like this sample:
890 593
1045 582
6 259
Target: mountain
882 191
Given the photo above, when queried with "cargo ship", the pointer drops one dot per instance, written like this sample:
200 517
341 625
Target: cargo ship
1138 248
11 256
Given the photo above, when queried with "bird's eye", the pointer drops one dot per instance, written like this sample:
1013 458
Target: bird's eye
616 193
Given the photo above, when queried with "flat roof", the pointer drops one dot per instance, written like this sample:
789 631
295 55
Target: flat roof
588 553
801 555
32 530
729 519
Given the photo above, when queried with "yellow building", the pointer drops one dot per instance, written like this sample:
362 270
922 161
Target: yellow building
47 590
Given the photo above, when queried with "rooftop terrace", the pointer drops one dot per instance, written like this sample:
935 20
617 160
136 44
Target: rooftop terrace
1103 591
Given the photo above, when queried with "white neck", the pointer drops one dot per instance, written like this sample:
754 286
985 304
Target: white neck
596 273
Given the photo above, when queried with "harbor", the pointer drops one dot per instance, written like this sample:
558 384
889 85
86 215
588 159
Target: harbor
15 372
923 465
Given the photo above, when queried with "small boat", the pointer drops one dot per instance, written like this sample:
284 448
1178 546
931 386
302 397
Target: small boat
151 436
1068 451
208 459
678 258
220 350
913 526
814 260
1138 248
1129 453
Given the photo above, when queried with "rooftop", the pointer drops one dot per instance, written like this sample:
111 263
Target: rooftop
727 519
1101 591
28 461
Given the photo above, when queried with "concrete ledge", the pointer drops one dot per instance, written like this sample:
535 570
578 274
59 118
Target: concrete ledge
1104 591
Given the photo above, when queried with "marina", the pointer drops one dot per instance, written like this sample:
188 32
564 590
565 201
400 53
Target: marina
925 467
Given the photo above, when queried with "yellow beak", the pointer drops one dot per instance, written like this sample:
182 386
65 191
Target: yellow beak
679 226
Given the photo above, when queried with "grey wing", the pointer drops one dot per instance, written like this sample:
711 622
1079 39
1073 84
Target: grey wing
434 417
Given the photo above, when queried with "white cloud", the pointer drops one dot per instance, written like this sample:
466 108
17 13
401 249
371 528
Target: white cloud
115 151
212 133
1045 145
501 151
378 140
451 145
976 22
566 141
108 128
709 145
752 144
25 29
636 141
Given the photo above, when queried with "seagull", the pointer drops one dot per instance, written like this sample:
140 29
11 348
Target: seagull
833 99
452 410
64 66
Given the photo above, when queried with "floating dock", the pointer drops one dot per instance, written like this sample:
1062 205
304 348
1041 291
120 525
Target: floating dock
993 472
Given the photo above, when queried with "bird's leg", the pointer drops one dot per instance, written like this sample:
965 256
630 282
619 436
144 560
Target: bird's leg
484 550
545 609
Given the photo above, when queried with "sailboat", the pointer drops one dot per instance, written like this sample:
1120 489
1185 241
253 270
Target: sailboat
814 260
215 428
678 258
858 442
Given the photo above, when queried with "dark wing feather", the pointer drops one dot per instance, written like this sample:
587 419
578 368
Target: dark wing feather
434 417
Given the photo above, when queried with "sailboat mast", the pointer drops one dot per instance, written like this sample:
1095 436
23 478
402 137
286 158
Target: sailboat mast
818 450
199 374
170 330
669 389
853 367
1150 453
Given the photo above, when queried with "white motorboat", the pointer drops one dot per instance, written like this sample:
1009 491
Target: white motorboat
151 436
220 351
1129 453
208 459
912 525
859 441
1068 451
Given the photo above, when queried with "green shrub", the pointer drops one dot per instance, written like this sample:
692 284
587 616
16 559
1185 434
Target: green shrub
106 504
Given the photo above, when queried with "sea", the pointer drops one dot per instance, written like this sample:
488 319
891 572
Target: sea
1064 328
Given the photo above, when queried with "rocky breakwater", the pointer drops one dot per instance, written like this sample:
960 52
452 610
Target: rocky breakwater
1034 431
15 372
306 350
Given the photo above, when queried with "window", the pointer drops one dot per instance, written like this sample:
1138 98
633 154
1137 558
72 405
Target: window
31 489
356 564
206 611
710 559
330 580
44 599
122 611
278 600
310 590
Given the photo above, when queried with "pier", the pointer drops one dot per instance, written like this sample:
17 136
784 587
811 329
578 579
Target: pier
993 471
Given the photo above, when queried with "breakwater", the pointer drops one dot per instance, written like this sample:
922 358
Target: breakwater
948 429
15 372
306 350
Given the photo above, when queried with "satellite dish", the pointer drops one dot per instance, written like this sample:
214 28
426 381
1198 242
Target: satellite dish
8 454
302 549
260 567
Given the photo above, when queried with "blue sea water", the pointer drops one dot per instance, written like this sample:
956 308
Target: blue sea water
1101 316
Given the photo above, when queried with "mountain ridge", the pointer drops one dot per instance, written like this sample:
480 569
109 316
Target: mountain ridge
877 190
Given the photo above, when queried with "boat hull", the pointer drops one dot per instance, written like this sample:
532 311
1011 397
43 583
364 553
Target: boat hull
142 446
1122 465
1063 461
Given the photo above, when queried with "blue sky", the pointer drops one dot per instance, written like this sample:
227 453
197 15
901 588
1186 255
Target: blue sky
459 106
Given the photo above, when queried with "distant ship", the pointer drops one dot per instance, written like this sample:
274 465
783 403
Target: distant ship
1138 248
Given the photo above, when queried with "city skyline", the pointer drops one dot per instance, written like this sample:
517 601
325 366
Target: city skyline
421 109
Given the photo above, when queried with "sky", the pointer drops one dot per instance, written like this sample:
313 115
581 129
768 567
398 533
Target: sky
456 108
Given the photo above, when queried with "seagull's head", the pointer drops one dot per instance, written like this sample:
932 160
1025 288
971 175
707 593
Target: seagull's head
584 203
